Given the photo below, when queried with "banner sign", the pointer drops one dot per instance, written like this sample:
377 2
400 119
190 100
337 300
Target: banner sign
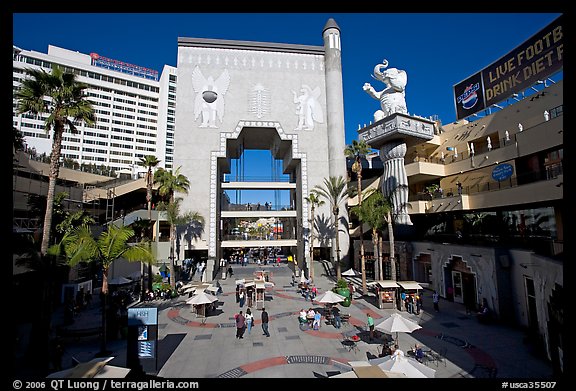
502 172
536 59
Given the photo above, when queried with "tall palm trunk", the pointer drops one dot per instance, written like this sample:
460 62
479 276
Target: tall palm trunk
380 260
337 227
312 243
172 245
362 256
53 176
375 244
103 347
41 335
391 241
149 183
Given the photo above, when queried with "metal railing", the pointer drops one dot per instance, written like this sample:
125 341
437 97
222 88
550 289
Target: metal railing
257 207
246 178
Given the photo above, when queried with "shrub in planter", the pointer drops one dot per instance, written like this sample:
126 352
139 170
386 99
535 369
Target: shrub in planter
342 290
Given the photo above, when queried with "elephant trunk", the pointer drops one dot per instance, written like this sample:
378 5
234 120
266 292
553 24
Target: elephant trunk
377 72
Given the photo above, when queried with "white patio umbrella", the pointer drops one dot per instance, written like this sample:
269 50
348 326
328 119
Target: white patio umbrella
329 297
350 273
397 323
363 369
406 365
119 281
202 298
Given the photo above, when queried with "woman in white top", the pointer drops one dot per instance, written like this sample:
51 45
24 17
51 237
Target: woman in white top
249 319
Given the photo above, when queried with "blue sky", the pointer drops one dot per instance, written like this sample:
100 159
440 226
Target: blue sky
437 50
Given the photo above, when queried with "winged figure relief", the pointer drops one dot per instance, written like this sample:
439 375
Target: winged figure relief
209 102
308 107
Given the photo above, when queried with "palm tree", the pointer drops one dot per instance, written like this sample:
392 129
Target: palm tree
169 183
176 219
27 254
314 200
374 211
149 161
59 95
357 150
81 246
334 190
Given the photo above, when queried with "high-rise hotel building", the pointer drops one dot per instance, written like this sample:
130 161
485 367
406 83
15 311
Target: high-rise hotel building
135 110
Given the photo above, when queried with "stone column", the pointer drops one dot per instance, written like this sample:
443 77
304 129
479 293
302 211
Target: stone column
395 181
335 121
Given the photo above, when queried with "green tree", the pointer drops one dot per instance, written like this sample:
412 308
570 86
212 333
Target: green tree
314 200
59 95
176 219
334 190
358 150
375 211
112 244
149 161
27 254
169 182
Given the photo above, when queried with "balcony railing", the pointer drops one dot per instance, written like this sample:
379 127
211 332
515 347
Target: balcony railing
246 178
257 207
550 172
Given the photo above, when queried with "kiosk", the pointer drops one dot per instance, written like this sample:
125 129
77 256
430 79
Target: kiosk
386 292
250 286
260 293
409 288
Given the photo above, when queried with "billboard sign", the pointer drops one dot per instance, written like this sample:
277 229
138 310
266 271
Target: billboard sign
536 59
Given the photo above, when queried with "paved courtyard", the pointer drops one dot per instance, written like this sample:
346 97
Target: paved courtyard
189 348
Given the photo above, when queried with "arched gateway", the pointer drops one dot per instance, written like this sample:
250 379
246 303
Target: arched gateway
234 96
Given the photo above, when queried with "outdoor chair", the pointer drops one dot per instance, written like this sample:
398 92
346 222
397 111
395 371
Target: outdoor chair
439 356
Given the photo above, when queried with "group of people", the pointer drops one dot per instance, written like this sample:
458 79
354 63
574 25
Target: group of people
246 321
412 303
311 317
267 206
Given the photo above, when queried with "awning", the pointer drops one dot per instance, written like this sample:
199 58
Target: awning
212 289
386 284
260 285
408 285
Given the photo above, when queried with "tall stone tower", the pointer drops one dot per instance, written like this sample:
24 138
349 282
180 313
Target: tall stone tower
335 118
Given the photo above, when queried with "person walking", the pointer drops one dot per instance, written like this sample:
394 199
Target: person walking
242 297
265 320
249 319
370 323
337 319
240 325
435 300
418 303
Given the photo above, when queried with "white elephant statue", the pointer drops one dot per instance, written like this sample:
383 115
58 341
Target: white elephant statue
392 97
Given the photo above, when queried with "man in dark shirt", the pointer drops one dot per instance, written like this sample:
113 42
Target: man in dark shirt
240 325
265 320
